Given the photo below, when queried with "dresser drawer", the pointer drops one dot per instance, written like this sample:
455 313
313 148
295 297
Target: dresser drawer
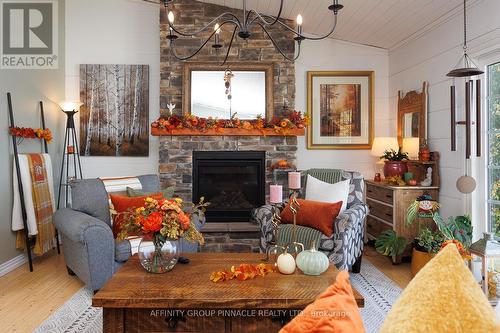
380 210
379 193
375 227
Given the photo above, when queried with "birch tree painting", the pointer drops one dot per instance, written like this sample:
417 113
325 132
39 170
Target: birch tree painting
114 119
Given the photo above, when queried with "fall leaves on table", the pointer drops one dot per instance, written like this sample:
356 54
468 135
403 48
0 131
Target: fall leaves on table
242 272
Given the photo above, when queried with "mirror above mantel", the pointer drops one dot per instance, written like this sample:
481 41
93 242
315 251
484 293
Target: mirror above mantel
251 90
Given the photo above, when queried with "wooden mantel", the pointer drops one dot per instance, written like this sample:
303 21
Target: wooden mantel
228 132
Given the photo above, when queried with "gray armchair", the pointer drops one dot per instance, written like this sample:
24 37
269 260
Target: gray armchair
90 250
345 247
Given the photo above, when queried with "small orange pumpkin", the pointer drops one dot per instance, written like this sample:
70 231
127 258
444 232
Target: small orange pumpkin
283 163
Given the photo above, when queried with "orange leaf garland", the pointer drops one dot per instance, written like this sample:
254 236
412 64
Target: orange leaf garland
242 272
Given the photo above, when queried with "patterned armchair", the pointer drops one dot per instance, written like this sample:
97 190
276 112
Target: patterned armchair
345 247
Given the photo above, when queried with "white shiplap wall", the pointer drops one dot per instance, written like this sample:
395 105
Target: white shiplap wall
429 58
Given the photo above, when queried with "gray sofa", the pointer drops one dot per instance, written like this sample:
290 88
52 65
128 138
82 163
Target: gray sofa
345 247
90 250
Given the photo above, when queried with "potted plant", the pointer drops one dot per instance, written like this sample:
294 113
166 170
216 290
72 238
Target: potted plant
428 242
395 163
425 246
389 244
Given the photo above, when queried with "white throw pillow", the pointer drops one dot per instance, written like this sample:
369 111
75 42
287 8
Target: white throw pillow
318 190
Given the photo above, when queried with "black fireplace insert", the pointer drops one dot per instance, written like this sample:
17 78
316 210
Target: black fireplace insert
232 181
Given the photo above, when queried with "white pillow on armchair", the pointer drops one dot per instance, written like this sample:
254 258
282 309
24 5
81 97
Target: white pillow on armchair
318 190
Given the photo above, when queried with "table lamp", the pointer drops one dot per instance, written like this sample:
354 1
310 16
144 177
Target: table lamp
70 148
411 146
379 146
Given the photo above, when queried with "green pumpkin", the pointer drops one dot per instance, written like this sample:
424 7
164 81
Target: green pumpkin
312 262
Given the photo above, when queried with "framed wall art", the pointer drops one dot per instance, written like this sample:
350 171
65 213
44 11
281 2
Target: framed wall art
340 104
114 117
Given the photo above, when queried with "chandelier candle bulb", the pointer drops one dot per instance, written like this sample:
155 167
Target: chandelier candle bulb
217 33
299 24
171 17
276 194
294 180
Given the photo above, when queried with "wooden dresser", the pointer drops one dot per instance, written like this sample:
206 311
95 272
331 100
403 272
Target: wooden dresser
388 205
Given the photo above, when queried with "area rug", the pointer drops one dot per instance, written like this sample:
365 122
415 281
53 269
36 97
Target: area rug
78 316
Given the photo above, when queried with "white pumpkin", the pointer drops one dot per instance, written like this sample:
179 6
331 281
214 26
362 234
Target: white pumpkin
286 263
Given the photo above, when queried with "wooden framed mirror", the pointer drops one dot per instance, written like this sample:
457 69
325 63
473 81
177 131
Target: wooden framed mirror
252 90
412 115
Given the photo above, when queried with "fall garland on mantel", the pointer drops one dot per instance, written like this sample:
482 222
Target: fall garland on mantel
290 120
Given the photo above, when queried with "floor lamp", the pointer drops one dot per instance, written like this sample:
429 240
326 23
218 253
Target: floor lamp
70 151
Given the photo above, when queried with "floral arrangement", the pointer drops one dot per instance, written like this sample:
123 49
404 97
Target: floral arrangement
290 120
31 133
163 220
242 272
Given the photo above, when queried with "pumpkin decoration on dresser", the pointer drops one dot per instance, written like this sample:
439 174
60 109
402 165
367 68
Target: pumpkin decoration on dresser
312 261
395 163
424 154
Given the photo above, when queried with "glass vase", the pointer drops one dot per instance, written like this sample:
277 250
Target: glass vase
158 256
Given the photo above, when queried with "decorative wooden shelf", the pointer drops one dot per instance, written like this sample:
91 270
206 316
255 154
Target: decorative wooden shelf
228 132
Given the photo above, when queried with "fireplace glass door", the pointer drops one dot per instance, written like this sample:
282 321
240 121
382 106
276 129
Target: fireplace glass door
233 183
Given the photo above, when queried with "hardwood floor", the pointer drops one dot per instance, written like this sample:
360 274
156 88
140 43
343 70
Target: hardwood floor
400 274
27 299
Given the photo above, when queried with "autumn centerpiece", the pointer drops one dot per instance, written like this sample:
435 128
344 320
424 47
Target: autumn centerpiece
162 223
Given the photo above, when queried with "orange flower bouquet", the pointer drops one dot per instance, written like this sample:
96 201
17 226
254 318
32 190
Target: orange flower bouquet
162 223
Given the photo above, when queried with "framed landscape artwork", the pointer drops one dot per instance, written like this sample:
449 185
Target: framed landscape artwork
114 117
340 104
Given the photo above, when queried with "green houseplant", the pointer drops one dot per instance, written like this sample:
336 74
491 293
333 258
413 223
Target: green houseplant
395 163
389 244
428 242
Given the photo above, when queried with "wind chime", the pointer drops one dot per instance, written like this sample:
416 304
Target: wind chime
466 184
228 75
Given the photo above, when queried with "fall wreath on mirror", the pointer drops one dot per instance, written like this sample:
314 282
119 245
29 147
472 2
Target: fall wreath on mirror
290 120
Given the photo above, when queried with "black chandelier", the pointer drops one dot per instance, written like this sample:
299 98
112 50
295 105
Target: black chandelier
242 26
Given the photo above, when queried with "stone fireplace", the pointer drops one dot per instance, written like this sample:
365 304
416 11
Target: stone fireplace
176 152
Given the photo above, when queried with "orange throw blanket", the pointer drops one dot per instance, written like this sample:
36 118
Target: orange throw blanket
45 238
334 311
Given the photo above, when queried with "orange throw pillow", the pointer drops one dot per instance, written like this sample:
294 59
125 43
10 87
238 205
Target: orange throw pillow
122 204
335 311
314 214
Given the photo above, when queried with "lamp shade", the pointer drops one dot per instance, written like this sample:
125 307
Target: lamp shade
70 106
411 146
381 144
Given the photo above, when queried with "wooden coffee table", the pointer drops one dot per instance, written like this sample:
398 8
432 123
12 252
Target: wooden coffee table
185 300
